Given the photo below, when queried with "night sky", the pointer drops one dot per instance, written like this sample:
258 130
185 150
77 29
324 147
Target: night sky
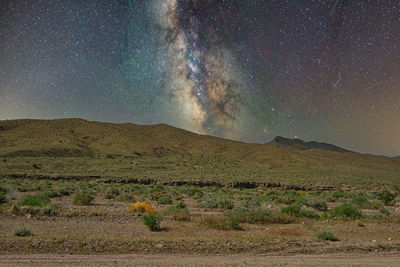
245 70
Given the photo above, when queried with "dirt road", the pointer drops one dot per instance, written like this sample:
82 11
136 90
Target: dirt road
199 260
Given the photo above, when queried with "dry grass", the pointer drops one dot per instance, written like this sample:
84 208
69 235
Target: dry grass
167 153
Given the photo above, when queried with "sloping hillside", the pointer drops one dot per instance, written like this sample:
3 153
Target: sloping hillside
80 138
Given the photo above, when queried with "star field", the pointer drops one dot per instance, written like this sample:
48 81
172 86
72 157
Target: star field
244 70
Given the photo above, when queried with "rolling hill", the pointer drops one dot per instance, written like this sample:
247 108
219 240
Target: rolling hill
80 138
75 147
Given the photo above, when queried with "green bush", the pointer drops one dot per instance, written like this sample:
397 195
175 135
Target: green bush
65 191
180 204
250 203
21 231
339 194
51 194
125 197
220 222
308 214
326 235
3 198
296 211
218 203
384 211
195 192
165 200
292 210
152 221
3 189
49 210
317 204
244 215
232 222
38 200
386 197
177 214
112 193
83 198
361 201
346 211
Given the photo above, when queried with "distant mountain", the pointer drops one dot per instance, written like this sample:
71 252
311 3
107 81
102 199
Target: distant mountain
300 144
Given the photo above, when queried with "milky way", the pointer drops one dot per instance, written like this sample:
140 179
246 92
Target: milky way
201 76
245 70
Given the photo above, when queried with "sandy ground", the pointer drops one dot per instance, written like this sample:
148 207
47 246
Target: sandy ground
196 260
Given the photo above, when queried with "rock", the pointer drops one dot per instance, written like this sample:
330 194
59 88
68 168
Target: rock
390 239
373 241
28 216
160 245
13 209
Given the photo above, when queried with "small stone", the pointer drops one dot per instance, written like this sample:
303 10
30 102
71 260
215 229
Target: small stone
374 241
13 209
390 239
28 215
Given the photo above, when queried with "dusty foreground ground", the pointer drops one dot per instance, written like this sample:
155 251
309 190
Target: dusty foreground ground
42 224
199 260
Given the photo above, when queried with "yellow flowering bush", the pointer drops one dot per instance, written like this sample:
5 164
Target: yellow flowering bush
142 207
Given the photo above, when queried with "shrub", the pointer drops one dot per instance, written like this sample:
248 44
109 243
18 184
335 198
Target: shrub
154 195
83 198
232 222
326 235
338 194
125 197
38 200
296 211
289 197
51 194
180 204
64 191
386 197
260 216
36 166
346 211
384 211
152 221
195 192
292 210
218 203
155 192
112 193
3 198
250 203
309 214
317 204
142 207
21 231
220 222
3 189
49 210
177 214
360 201
165 200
